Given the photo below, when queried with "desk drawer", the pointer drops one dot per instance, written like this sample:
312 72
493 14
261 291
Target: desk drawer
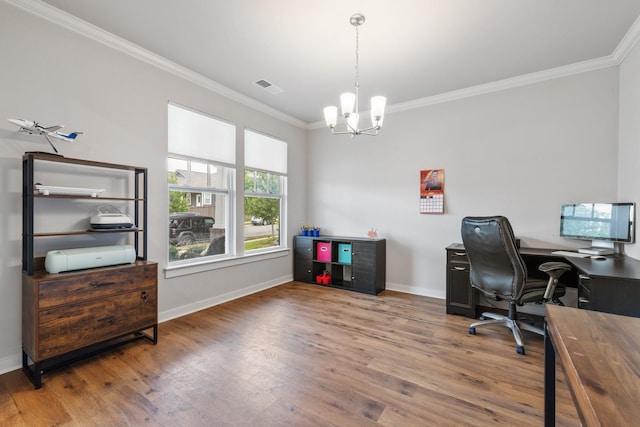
584 292
458 256
461 297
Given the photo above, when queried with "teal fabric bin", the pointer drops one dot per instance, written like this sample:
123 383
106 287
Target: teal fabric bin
344 253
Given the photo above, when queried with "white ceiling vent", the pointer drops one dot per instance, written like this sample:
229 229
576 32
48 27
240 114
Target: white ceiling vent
268 86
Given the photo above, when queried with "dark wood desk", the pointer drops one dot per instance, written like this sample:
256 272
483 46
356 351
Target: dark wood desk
611 285
600 357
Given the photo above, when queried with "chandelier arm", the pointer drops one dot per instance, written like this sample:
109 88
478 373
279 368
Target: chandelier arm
374 128
343 132
351 131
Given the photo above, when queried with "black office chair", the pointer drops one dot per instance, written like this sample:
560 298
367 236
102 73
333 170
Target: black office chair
498 271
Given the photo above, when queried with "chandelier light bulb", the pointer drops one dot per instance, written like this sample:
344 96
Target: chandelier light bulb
376 121
377 110
348 103
331 116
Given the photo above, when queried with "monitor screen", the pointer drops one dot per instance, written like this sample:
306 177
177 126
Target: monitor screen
614 222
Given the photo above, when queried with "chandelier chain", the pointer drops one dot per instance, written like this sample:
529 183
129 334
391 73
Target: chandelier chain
357 65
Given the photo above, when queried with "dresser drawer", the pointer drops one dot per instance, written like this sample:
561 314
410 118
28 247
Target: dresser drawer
73 287
69 327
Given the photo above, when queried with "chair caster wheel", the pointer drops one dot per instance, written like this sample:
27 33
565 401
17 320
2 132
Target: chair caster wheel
472 331
520 350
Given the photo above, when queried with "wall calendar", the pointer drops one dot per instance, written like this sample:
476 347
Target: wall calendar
432 191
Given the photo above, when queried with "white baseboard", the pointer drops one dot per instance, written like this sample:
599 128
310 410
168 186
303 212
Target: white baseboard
415 290
219 299
11 363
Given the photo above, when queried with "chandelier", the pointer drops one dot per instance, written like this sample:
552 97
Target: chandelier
349 101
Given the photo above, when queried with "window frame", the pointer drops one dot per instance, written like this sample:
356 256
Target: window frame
234 227
250 137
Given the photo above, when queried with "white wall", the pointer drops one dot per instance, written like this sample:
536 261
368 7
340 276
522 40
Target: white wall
520 153
56 76
629 144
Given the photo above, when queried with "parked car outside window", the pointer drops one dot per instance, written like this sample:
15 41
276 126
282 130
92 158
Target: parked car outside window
258 221
186 228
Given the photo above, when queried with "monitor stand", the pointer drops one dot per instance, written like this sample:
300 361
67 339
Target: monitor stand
599 247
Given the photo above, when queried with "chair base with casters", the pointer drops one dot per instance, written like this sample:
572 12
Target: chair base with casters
538 292
512 323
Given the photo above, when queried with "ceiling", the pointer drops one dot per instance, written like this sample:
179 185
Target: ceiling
409 49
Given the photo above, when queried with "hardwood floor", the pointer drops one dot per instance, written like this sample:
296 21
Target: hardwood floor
301 355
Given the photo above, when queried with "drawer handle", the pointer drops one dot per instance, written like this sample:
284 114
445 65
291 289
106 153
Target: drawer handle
460 268
460 253
583 277
583 300
144 296
100 284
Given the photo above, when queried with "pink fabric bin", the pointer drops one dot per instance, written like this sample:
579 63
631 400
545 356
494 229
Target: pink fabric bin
324 251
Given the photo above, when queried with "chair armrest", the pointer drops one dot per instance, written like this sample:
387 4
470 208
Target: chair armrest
553 266
554 270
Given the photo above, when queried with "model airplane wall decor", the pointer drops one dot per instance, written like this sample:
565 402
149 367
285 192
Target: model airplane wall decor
34 128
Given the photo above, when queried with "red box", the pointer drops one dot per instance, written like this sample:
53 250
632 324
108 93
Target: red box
324 251
323 279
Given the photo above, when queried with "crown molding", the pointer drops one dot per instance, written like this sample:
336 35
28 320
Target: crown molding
510 83
628 42
70 22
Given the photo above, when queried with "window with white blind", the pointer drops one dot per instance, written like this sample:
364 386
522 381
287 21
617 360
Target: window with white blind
200 175
265 183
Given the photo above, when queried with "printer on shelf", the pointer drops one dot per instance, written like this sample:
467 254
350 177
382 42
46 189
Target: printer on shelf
109 217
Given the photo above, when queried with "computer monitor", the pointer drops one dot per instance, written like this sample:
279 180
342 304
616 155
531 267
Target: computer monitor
605 224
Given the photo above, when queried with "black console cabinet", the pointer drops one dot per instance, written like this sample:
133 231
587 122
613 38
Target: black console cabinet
352 263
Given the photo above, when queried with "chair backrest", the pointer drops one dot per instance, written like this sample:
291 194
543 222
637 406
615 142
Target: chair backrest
496 266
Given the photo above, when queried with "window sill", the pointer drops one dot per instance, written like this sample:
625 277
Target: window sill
192 268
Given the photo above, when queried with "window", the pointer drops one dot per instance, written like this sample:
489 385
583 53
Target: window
264 185
204 203
200 171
